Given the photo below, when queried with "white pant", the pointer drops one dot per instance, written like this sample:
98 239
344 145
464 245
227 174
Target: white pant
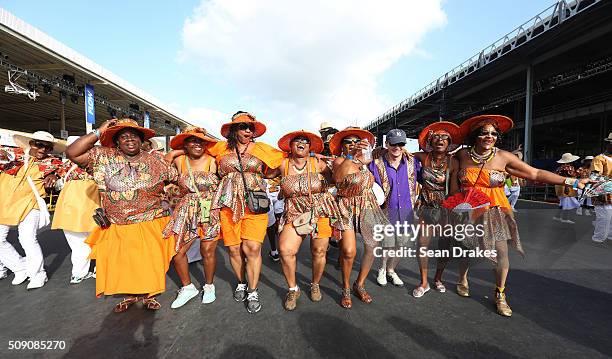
603 225
33 263
80 252
515 192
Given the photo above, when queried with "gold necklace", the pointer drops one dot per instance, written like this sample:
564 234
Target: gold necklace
299 170
484 158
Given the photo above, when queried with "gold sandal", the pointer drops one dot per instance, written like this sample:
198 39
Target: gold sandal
503 308
151 303
123 305
463 290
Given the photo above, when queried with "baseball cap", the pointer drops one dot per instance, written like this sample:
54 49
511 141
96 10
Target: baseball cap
396 136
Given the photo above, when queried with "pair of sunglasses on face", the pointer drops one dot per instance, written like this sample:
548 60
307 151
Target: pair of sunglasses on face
442 137
353 141
246 126
401 144
488 133
302 140
42 144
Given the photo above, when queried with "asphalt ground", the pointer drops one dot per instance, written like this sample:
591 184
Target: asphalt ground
561 295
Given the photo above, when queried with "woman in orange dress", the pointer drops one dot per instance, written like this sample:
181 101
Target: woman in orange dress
192 217
243 232
132 256
76 204
483 166
304 189
359 211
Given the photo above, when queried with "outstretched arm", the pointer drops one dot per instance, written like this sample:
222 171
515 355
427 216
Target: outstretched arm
520 169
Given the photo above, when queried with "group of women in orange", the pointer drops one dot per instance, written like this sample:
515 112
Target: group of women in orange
220 189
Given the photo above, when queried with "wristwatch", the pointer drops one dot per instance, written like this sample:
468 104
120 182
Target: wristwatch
96 132
569 181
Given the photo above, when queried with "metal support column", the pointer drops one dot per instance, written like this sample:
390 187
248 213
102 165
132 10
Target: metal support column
528 145
62 120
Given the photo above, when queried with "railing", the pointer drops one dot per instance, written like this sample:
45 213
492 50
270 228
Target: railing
539 24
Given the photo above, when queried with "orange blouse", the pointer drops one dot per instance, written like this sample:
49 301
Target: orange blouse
490 182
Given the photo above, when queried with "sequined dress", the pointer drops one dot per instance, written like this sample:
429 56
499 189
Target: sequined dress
358 208
497 219
186 222
294 188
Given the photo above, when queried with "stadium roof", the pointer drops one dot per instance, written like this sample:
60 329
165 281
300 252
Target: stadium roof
556 44
36 62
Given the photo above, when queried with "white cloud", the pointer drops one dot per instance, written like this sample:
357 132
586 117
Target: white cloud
297 63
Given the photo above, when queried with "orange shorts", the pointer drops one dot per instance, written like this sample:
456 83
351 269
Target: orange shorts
324 229
251 226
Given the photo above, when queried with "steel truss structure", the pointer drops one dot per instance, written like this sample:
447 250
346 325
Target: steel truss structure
543 22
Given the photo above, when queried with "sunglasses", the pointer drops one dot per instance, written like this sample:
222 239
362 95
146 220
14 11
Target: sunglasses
490 133
351 142
440 137
401 144
42 144
303 140
246 126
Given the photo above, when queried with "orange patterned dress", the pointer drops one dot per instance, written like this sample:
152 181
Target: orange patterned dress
294 189
132 256
358 208
186 222
497 219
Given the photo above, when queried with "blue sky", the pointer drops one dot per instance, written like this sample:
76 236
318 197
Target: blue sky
267 64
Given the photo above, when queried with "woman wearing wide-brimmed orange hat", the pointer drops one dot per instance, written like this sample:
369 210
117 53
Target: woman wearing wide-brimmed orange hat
483 168
304 188
132 256
243 232
436 141
193 217
359 211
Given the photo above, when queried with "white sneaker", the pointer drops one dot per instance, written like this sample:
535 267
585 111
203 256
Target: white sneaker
568 221
208 294
37 282
395 279
557 219
184 295
381 278
20 277
76 280
4 274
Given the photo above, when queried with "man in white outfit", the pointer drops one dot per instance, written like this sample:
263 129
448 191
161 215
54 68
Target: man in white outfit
21 204
602 164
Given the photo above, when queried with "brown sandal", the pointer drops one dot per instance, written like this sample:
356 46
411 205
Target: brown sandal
123 305
151 303
362 294
346 301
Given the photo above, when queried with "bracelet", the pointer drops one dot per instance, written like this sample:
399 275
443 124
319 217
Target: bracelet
349 157
96 132
569 181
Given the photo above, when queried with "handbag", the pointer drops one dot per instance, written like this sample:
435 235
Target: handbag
101 219
306 223
257 201
205 205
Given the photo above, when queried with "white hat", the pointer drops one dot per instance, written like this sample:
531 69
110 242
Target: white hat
23 141
568 158
157 144
609 138
325 125
588 158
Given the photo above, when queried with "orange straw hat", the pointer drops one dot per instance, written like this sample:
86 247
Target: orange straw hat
244 117
335 144
106 138
441 127
316 143
503 123
178 141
